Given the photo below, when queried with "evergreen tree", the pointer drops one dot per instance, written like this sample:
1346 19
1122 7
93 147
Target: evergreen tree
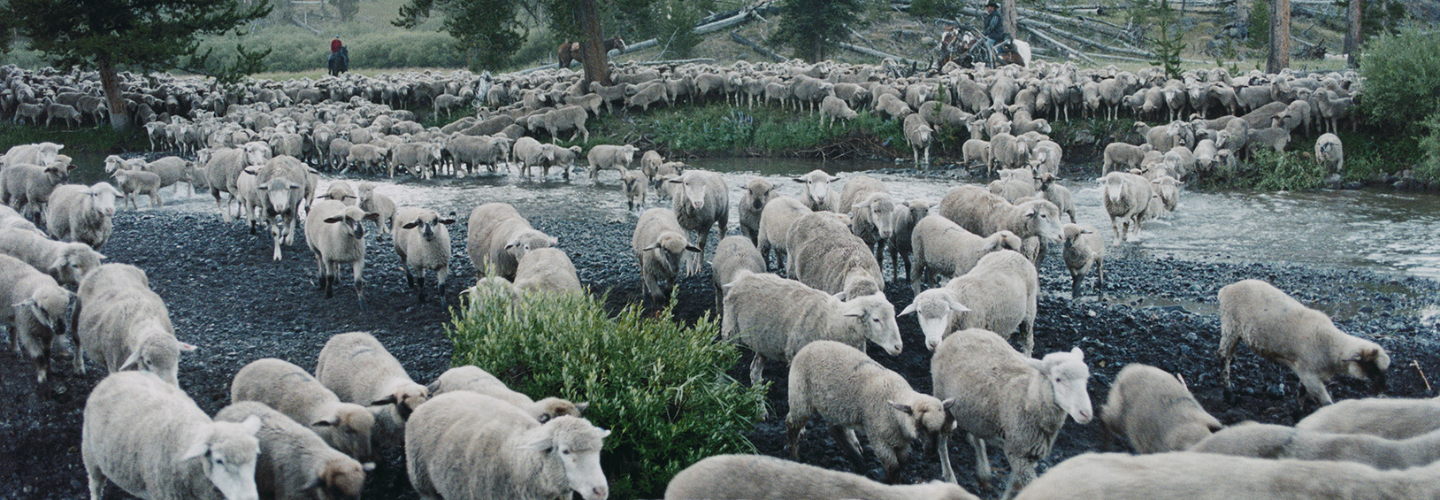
1169 39
144 35
813 27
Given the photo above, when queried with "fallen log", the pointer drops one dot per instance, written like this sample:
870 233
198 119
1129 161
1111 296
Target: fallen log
1056 43
875 53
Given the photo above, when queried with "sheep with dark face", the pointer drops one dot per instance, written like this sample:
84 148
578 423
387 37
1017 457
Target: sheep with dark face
334 233
701 202
659 244
758 192
422 240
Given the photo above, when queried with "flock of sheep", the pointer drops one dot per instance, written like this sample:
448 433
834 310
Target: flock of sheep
971 257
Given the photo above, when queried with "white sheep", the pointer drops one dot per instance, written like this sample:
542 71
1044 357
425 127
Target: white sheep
659 244
422 240
294 463
1257 440
826 255
68 263
82 214
702 202
1281 329
473 379
377 203
1123 157
943 248
745 477
733 254
292 391
334 233
776 219
977 150
1155 411
359 370
1330 152
498 236
546 270
853 392
999 294
776 317
872 212
1397 418
10 219
993 392
1084 251
150 439
907 215
816 195
607 156
125 325
26 188
758 192
1126 198
341 191
467 445
918 135
1059 195
137 182
833 108
635 185
984 213
35 310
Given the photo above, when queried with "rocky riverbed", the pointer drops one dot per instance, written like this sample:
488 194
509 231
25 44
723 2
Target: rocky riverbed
229 298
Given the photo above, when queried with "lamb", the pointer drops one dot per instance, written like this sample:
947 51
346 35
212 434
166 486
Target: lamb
1045 158
907 215
645 95
606 156
1277 441
852 392
566 118
1119 154
635 185
1009 151
82 214
546 270
1014 184
703 202
35 309
379 204
776 220
473 379
1275 138
872 212
890 107
64 112
151 440
137 182
368 156
833 108
649 163
1168 189
467 445
999 294
416 157
1381 417
498 237
758 192
26 188
68 263
659 243
359 370
562 158
334 234
977 150
983 213
776 317
943 248
745 477
1057 194
293 462
816 195
1084 250
1126 198
824 254
1186 476
1155 411
422 241
918 135
1281 329
341 191
125 325
282 185
293 392
1330 152
994 392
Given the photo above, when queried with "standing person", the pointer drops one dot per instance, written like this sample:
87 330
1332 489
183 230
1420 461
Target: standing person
994 26
335 45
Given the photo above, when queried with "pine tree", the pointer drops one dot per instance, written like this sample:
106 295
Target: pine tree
813 27
1169 39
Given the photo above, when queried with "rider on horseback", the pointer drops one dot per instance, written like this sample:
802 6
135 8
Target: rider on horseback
994 27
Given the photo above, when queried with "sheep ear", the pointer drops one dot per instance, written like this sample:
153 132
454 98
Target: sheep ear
411 225
387 400
332 220
542 444
251 425
799 180
581 406
958 307
693 248
841 295
1076 351
199 448
332 421
902 408
646 249
910 309
130 362
186 347
446 221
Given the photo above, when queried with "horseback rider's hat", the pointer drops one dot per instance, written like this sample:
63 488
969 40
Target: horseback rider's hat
992 4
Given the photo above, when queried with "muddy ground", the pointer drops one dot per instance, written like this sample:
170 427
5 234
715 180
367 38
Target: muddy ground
226 296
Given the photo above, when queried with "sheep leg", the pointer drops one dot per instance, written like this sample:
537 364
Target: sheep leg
1022 471
757 369
843 438
1075 286
420 290
1027 327
290 230
942 446
1116 226
277 234
359 268
97 482
891 459
794 430
409 277
1314 389
982 461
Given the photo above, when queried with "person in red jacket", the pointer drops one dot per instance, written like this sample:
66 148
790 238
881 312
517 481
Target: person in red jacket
335 44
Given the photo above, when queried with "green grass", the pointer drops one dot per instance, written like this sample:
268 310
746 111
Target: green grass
99 140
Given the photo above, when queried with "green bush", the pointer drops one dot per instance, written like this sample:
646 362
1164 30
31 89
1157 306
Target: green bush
1402 80
1258 36
1430 146
658 386
1287 171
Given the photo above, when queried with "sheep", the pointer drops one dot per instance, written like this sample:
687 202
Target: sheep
659 243
368 156
1275 138
635 184
283 185
1124 157
907 215
1330 152
918 135
977 150
993 392
293 462
62 111
1281 329
1009 151
422 241
546 270
1014 184
1185 476
341 191
1126 198
35 309
68 263
702 202
610 157
26 188
983 213
999 294
776 219
10 219
1334 108
824 254
137 182
292 391
566 118
890 107
379 204
1387 418
335 235
744 477
1168 189
758 192
125 325
852 392
416 157
650 162
816 193
645 95
40 153
468 445
150 439
1045 158
498 237
359 370
872 212
1155 411
1084 250
943 248
473 379
733 254
1057 194
82 214
1257 440
833 108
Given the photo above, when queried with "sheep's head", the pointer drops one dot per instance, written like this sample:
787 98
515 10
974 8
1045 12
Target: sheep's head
759 192
917 209
425 223
1073 232
103 196
695 187
283 196
552 408
406 399
1042 217
351 217
670 246
228 450
340 478
348 430
935 309
574 445
876 319
52 306
527 240
158 353
76 260
1369 361
817 185
113 163
1068 376
882 212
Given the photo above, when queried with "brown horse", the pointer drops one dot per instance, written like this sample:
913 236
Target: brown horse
570 51
965 47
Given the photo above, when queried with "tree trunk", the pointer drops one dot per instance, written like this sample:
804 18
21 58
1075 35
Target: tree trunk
1008 11
593 53
1352 37
110 82
1279 36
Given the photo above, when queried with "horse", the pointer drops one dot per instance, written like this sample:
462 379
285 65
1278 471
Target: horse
966 47
339 61
570 51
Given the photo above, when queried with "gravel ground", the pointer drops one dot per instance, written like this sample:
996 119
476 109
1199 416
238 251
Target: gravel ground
226 296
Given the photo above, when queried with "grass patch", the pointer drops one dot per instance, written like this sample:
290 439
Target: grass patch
659 386
97 140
